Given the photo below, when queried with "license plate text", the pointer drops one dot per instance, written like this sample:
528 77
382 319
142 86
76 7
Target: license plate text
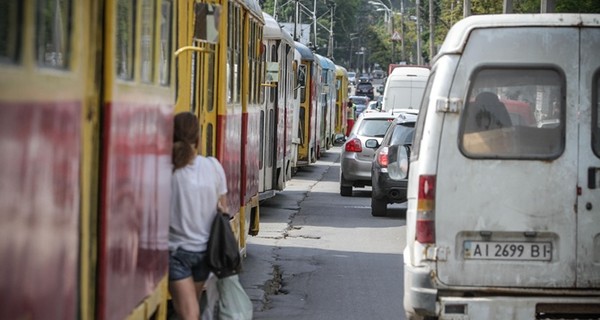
537 251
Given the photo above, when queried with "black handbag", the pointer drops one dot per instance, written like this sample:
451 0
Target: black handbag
223 252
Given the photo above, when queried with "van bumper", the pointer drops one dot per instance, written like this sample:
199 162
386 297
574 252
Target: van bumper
419 294
519 307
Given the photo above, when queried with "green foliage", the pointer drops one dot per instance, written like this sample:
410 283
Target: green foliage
357 24
578 6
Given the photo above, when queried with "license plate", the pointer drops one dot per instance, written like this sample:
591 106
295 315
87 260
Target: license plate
509 250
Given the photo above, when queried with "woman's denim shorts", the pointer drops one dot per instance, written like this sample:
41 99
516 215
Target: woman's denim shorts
183 264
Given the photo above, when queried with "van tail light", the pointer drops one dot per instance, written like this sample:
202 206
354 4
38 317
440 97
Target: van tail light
382 157
425 229
353 145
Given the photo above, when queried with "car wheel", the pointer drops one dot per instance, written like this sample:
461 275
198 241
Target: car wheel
378 207
345 191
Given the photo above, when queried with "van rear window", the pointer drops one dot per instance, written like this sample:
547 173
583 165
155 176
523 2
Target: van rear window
514 114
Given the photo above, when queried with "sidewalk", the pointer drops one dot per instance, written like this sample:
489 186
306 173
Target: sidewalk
260 275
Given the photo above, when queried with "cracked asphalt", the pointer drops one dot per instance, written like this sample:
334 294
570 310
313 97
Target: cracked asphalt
261 275
322 256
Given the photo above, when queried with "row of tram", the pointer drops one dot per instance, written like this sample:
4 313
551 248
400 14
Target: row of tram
88 91
307 94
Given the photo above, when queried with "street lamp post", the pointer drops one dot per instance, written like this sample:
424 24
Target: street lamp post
363 53
389 13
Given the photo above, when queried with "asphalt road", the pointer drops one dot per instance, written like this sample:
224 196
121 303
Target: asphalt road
322 256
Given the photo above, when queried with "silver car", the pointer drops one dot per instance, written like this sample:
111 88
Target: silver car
356 157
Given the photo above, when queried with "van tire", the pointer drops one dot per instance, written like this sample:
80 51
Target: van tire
378 207
410 316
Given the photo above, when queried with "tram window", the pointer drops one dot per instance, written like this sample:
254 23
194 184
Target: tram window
52 33
262 70
211 81
295 77
302 83
125 39
230 55
209 141
147 49
302 125
271 135
165 42
206 24
237 63
261 147
274 58
10 30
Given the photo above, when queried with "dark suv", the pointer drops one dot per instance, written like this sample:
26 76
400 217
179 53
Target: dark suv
365 89
389 185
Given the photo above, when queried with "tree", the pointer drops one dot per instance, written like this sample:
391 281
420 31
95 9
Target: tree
357 24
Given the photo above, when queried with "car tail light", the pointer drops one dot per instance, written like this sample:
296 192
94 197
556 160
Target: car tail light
353 145
382 157
425 229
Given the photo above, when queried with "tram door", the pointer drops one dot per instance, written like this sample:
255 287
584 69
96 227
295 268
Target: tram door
269 120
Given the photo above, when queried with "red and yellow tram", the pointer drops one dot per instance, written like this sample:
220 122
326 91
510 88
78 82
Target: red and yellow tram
308 80
341 100
88 90
86 102
220 71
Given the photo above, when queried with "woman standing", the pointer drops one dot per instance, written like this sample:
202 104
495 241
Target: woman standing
198 186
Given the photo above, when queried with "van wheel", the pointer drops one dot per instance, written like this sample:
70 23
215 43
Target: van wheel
416 317
378 207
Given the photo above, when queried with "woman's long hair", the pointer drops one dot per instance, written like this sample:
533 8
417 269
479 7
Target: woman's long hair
186 132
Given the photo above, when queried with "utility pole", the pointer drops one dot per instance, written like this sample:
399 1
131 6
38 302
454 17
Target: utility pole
402 27
393 39
314 16
431 32
419 55
507 6
466 8
330 45
547 6
296 18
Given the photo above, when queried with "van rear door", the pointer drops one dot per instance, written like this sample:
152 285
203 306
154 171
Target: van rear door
506 198
588 206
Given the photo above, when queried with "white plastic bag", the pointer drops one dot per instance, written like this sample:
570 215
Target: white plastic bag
234 303
209 298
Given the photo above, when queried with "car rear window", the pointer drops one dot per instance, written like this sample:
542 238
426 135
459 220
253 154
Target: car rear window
359 100
364 86
374 127
403 134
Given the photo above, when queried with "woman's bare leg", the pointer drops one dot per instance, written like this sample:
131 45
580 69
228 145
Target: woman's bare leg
185 298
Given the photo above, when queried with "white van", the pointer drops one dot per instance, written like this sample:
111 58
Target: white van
503 218
404 88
